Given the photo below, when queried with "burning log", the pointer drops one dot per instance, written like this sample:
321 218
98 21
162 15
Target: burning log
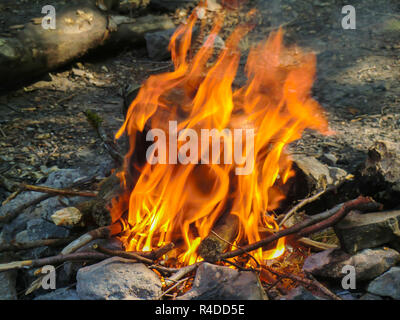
80 27
313 224
220 238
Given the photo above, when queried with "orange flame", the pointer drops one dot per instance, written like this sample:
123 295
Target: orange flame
181 202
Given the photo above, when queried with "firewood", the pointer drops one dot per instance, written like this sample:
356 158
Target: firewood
78 256
122 254
16 246
145 257
313 224
224 232
63 192
100 233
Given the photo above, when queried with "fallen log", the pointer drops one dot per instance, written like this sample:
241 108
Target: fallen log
80 28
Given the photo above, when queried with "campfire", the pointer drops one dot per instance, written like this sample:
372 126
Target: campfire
203 205
209 201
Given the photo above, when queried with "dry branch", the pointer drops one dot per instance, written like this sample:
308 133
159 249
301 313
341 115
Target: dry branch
181 273
311 199
15 246
307 282
99 233
78 256
54 191
122 254
8 216
334 215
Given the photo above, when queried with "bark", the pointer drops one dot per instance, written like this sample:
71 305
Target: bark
218 241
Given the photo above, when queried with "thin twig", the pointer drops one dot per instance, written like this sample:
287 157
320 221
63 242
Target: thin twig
8 216
99 233
308 282
173 287
53 260
181 273
232 245
64 192
122 254
16 246
308 200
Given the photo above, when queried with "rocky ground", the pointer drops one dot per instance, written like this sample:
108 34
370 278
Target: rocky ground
43 127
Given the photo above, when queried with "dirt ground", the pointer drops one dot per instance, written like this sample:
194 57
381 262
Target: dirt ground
43 125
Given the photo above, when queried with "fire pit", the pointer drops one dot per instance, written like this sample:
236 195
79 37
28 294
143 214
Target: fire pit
209 201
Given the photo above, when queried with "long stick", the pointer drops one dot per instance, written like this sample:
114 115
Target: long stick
11 215
308 200
53 260
122 254
99 233
340 210
15 246
64 192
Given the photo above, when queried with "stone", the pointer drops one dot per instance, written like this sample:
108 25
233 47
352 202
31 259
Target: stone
69 216
41 229
300 293
214 282
312 174
387 285
368 263
118 279
157 44
58 179
329 158
359 231
70 269
59 294
369 296
7 285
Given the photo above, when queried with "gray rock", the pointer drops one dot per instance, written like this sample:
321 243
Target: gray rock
368 263
214 282
157 44
329 158
359 231
7 285
369 296
59 294
71 268
387 285
117 279
300 293
41 229
58 179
